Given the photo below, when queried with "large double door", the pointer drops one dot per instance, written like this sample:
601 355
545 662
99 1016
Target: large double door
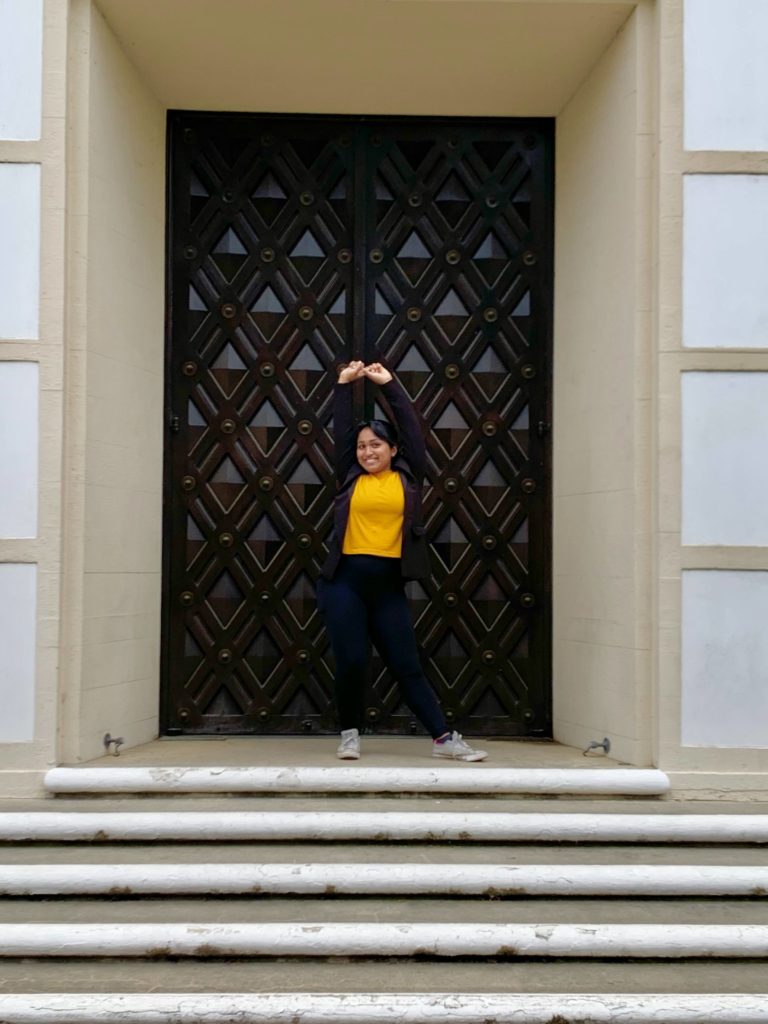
296 244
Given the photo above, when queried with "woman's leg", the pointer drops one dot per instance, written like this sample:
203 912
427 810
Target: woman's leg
392 633
345 617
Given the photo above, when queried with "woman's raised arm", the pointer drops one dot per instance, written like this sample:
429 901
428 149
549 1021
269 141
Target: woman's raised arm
343 427
408 423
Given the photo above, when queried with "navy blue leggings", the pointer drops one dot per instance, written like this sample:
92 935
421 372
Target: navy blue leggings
366 602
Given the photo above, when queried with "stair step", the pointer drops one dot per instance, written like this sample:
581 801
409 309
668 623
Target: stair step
462 888
460 977
377 939
386 826
381 1008
370 911
562 854
464 880
447 778
419 803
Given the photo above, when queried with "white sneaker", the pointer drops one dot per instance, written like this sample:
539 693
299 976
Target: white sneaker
455 748
349 748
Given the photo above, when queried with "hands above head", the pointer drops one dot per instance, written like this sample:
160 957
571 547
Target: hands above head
356 370
352 371
377 373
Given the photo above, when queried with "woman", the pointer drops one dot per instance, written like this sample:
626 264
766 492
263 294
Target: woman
378 543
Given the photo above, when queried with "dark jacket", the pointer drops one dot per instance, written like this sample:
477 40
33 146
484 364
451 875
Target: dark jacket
410 462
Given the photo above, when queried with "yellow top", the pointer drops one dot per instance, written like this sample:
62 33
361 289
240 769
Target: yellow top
375 525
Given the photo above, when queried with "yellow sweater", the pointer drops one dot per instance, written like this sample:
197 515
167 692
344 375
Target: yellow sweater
375 525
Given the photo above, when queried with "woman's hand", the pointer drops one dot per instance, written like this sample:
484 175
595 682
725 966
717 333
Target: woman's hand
377 373
352 371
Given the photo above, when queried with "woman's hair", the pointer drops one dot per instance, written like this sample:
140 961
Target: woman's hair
381 429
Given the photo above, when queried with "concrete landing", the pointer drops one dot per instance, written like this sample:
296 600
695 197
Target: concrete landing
320 751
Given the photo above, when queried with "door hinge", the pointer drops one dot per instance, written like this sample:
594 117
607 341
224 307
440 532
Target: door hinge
175 424
542 428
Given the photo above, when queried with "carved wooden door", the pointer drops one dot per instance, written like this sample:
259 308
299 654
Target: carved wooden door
299 243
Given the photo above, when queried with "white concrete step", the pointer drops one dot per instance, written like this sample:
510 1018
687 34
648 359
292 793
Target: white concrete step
377 939
473 890
562 854
368 911
377 879
460 977
382 1008
420 803
432 825
445 777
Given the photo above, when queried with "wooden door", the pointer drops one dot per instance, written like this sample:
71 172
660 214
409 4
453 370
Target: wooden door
299 243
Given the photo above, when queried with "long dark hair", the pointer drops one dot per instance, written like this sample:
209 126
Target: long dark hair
381 429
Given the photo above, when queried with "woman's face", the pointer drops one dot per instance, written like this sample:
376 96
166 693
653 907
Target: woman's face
374 454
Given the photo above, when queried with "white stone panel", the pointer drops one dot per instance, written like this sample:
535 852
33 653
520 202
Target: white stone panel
725 269
18 449
725 659
21 68
19 250
726 74
725 466
18 589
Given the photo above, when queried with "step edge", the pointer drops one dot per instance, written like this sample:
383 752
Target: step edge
105 826
379 1008
374 939
446 779
350 878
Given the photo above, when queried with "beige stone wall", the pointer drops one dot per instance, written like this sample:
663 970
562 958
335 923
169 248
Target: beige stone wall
116 416
109 654
713 771
601 404
618 556
449 58
21 764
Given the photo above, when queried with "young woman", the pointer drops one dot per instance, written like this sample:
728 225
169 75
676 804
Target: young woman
377 544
